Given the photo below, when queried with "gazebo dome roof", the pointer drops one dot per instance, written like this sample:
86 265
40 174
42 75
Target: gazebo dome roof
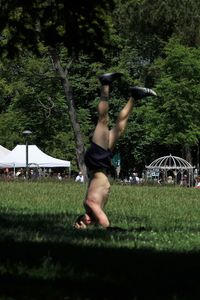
170 162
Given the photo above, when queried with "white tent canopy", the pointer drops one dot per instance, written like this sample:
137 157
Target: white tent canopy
3 151
17 158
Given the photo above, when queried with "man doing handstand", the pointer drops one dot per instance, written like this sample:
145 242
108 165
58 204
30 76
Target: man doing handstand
98 156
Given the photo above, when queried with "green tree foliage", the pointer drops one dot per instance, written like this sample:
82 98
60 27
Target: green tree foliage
31 98
76 24
138 34
148 24
168 123
145 27
177 82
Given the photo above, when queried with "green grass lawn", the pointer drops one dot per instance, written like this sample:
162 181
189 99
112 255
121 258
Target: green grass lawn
157 246
163 218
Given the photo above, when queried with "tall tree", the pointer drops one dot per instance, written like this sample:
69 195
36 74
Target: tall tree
31 98
148 24
177 82
78 25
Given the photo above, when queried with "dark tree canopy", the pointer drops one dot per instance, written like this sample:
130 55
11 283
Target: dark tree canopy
76 24
149 24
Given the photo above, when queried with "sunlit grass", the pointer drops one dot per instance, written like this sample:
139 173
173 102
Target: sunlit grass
162 218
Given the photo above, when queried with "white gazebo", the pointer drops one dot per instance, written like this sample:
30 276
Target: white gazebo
166 165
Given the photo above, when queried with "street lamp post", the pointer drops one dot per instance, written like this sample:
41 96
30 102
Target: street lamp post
26 133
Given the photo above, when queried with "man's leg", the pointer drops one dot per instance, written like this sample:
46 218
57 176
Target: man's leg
136 93
101 132
121 123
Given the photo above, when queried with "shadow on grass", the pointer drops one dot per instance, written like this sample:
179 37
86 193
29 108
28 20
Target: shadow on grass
65 270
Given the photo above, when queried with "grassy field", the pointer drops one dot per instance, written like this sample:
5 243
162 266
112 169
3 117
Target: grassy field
154 253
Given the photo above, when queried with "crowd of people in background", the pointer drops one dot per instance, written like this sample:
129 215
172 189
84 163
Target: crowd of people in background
132 179
33 174
8 174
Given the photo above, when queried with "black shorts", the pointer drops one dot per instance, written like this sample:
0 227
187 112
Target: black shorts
98 159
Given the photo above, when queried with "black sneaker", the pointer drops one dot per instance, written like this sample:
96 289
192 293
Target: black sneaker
108 78
139 92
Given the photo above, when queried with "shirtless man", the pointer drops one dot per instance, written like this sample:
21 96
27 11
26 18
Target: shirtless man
98 156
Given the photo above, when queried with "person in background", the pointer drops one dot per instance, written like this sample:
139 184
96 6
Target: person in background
79 178
59 176
197 182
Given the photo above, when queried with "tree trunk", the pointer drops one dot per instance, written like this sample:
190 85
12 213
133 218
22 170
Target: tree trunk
63 75
198 156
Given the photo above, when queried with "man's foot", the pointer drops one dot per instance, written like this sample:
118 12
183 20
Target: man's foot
108 78
139 92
